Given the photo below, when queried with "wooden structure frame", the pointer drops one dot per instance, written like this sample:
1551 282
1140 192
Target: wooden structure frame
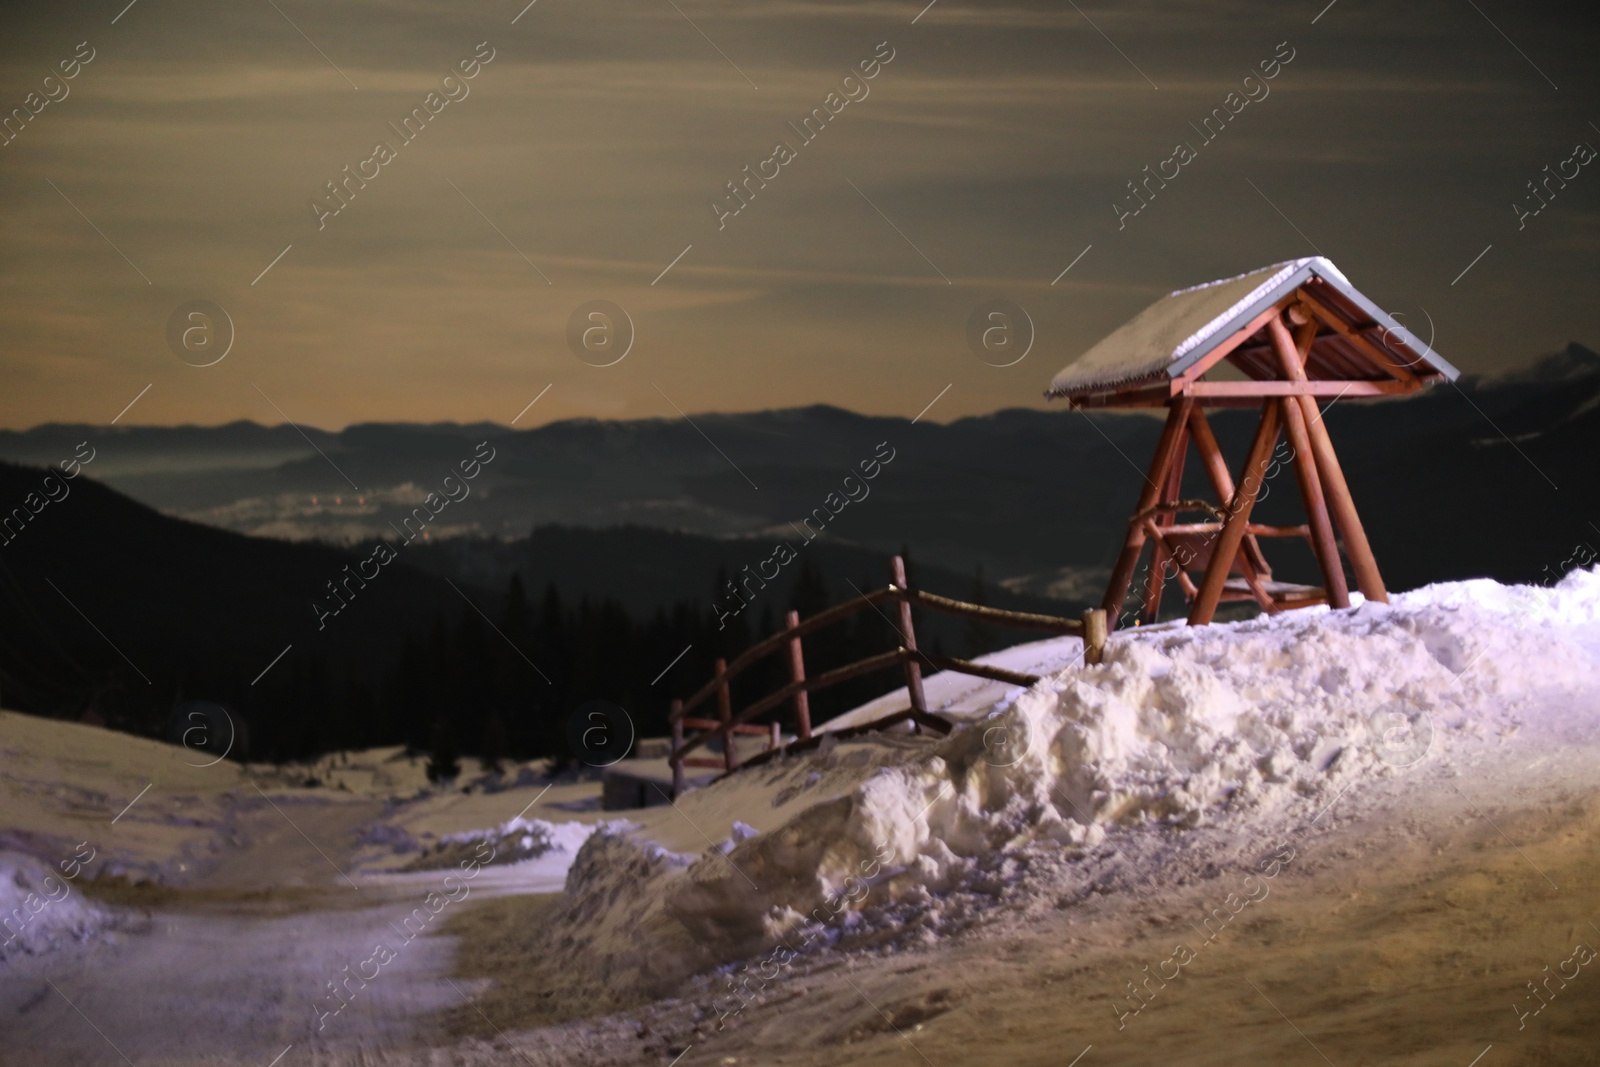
908 658
1296 332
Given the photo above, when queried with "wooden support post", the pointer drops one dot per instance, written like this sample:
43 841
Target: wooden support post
908 638
677 743
1291 360
1122 573
797 673
1341 507
1233 530
1094 636
730 757
1156 580
1315 505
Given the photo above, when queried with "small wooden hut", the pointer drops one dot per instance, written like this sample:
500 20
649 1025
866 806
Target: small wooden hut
1283 339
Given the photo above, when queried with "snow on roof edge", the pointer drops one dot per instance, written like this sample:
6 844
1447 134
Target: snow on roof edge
1286 270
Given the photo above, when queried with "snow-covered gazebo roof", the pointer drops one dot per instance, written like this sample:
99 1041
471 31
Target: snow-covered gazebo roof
1167 344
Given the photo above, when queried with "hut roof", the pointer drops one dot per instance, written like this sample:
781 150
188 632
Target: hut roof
1359 341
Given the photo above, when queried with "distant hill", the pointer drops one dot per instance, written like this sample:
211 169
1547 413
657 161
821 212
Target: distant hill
1454 483
1491 478
108 605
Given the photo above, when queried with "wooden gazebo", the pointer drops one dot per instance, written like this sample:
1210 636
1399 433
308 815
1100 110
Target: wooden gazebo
1277 339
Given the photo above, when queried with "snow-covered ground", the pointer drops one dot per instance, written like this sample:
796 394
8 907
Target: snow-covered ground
898 898
1244 725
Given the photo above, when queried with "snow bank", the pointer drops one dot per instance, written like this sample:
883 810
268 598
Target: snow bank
1176 728
40 910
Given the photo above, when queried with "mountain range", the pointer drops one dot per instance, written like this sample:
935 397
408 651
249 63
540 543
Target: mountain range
1479 477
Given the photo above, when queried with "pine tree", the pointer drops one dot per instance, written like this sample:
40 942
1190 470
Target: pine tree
492 748
809 594
980 636
444 763
516 617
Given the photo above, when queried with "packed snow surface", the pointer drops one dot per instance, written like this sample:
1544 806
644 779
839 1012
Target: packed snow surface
1177 728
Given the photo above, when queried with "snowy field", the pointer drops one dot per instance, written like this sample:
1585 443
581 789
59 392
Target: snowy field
1355 837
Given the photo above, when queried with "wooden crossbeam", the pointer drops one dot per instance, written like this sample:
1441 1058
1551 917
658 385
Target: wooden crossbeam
1300 387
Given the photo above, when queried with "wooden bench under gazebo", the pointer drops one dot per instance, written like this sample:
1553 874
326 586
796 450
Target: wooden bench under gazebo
1291 333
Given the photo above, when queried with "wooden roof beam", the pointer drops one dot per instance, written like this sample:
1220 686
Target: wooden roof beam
1138 396
1240 336
1334 321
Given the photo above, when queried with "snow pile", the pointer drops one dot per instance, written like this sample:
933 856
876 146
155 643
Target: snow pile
1176 728
40 909
513 841
612 927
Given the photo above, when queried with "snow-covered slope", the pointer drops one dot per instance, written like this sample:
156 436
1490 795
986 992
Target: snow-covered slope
1239 724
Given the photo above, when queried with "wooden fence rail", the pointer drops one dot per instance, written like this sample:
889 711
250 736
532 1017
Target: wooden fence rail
910 660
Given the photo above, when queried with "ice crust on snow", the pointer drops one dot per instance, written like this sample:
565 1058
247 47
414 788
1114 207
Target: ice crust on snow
1175 729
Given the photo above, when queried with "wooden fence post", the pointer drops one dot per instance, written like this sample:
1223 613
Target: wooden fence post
908 638
677 743
797 673
730 758
1094 635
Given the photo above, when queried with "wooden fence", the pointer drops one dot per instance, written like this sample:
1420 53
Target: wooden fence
908 658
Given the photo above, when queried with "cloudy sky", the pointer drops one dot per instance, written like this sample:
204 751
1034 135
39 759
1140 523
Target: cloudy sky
180 162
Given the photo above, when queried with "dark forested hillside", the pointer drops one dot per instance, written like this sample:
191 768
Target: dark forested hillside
113 612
